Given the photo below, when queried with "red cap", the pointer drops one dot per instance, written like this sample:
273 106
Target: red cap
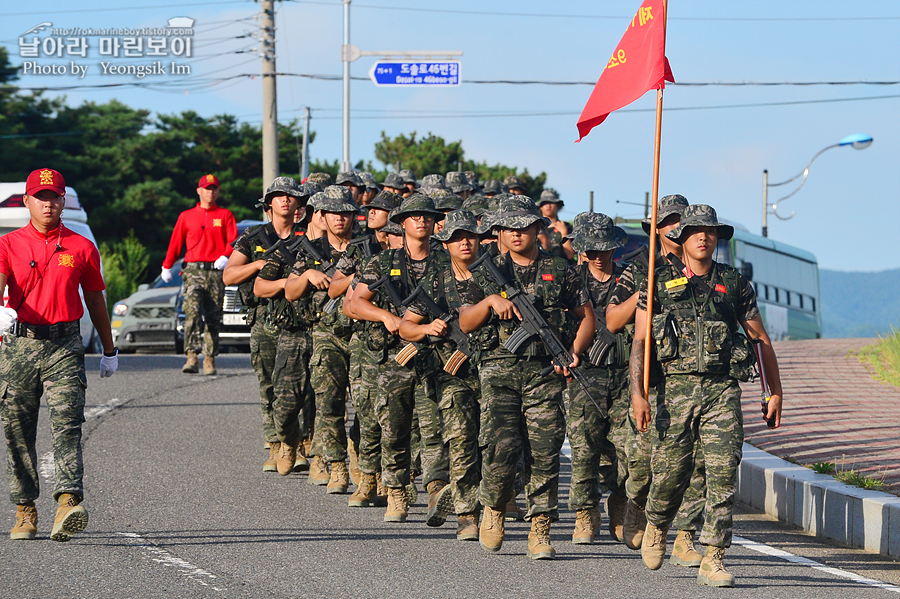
45 178
208 181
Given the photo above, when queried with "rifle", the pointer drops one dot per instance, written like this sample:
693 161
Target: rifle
454 333
386 288
533 325
286 252
328 267
763 381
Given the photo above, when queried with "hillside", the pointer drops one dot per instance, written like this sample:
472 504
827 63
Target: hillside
859 304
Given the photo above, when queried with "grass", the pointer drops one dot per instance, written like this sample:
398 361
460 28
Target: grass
884 357
850 476
823 467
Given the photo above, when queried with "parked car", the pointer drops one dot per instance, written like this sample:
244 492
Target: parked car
144 320
234 332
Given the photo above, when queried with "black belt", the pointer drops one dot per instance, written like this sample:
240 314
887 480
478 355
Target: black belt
46 331
200 265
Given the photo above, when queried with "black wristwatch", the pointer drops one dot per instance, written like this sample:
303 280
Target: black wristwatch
112 354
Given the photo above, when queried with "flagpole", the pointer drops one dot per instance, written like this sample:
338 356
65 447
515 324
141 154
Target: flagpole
651 273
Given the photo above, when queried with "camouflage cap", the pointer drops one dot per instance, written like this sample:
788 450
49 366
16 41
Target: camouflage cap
282 186
459 220
700 215
337 198
435 193
580 220
417 203
310 189
385 200
457 182
476 204
668 205
392 228
513 181
323 179
393 180
315 201
408 176
549 196
597 233
517 212
433 181
492 186
472 178
449 202
369 181
349 177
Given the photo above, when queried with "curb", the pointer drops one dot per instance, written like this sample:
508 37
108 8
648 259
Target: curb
819 504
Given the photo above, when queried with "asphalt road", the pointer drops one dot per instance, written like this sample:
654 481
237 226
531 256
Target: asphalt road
180 507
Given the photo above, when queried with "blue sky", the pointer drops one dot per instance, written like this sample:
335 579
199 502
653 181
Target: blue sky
710 155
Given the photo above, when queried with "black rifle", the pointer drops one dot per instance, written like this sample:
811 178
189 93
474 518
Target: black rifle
764 382
328 267
533 325
454 333
386 288
286 251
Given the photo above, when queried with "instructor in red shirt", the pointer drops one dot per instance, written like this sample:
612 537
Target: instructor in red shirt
44 264
207 231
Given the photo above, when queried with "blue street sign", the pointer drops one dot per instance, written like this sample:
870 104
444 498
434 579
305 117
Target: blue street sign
415 73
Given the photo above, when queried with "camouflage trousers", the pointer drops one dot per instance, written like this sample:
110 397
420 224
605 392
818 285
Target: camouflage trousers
703 409
433 455
458 404
203 295
263 347
363 374
521 410
30 368
290 379
594 457
395 388
329 370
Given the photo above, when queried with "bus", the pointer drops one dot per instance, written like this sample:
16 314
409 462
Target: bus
785 278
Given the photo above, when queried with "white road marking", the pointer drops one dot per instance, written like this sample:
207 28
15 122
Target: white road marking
167 559
804 561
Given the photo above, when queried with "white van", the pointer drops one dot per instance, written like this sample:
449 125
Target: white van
14 215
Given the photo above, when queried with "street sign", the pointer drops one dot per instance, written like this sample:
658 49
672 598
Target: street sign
410 73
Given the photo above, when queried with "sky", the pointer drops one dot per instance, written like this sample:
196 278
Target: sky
716 139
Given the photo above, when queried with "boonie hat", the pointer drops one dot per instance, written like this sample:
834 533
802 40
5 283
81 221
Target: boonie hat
597 233
417 203
700 215
433 181
323 179
368 180
349 177
472 178
45 178
668 205
549 196
492 186
208 181
517 212
459 220
385 200
449 202
476 204
392 228
337 198
513 181
457 182
393 180
408 176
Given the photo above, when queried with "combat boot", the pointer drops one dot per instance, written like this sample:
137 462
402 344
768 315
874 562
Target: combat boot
584 528
653 546
301 464
615 511
412 493
287 455
683 552
318 472
513 512
340 479
440 503
71 518
26 522
271 465
364 496
712 571
492 529
539 538
354 462
192 366
209 365
597 520
466 527
634 525
398 505
380 491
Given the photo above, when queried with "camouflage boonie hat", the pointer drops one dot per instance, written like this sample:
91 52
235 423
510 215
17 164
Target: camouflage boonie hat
392 228
449 202
407 176
457 182
472 178
580 220
385 200
549 196
282 185
369 181
436 181
337 198
417 203
394 181
668 205
435 193
492 186
459 220
323 179
597 233
700 215
517 212
491 207
310 189
349 177
513 181
313 204
476 204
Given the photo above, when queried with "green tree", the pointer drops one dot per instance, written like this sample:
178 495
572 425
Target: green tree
124 266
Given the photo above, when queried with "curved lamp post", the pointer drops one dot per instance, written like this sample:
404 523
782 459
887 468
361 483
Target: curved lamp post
858 141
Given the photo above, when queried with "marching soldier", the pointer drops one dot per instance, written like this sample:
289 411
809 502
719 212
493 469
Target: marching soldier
554 237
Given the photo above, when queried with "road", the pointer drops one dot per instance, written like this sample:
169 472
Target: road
180 507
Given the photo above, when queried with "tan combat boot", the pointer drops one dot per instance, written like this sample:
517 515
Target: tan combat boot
398 505
597 520
364 496
26 522
380 492
354 462
271 465
712 571
653 546
466 527
539 538
615 511
634 525
318 472
340 479
584 528
440 503
71 518
287 455
192 366
490 534
412 493
301 464
683 552
513 512
209 365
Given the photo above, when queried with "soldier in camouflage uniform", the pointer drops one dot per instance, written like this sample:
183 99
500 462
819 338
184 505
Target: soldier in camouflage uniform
514 186
282 200
554 237
459 184
695 334
409 181
457 392
522 406
393 183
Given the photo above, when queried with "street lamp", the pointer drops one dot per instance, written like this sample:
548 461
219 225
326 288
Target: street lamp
858 141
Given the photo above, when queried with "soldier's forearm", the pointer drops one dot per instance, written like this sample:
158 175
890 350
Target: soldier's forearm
636 367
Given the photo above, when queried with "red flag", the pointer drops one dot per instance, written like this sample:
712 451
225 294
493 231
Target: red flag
638 65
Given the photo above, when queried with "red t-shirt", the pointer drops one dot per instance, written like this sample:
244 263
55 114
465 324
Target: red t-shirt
48 276
207 233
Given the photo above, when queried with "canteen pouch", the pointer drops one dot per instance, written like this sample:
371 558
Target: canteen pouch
664 338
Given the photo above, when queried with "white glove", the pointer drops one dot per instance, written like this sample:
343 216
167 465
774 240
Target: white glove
8 318
108 365
166 275
220 262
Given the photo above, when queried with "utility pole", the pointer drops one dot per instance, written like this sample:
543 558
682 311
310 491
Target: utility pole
646 204
591 205
304 170
345 163
270 106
